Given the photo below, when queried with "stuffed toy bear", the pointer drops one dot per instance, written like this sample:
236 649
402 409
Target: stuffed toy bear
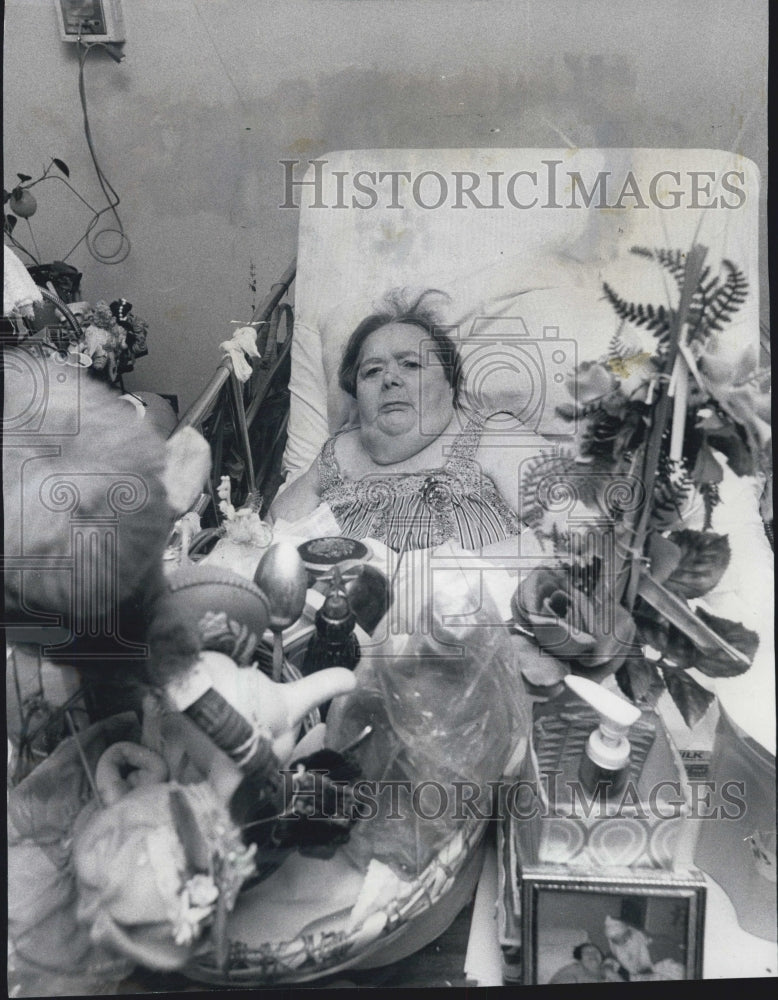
91 493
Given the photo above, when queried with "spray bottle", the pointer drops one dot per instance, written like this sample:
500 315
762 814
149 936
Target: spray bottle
604 766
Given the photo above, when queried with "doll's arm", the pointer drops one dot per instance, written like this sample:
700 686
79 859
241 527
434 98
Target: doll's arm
184 741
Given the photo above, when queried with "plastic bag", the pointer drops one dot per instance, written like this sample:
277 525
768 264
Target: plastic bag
448 710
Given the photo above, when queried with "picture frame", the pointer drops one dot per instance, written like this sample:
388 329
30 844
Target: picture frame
645 926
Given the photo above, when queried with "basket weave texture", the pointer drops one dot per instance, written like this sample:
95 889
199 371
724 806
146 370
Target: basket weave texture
310 955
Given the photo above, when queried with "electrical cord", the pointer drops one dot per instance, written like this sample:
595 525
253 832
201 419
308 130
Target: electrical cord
91 236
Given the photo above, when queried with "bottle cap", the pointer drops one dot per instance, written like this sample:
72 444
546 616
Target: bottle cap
608 746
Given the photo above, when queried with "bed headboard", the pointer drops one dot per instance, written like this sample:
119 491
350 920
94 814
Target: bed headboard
520 239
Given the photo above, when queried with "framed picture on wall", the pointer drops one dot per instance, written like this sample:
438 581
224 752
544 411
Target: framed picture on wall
610 926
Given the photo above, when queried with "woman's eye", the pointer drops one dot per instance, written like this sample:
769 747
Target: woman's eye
410 363
369 372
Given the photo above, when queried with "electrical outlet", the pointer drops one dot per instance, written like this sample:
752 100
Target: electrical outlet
92 20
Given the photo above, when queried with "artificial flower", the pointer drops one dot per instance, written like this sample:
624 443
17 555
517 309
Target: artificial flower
591 382
569 623
111 336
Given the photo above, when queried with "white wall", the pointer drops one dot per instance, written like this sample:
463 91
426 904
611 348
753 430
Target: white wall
190 127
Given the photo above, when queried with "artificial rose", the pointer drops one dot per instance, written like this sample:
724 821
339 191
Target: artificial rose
731 374
591 382
111 343
588 631
634 374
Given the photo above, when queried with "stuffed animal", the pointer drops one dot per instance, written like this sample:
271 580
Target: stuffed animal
120 853
90 495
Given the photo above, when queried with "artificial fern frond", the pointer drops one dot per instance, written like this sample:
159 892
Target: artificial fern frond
656 319
710 499
714 302
539 478
729 297
673 261
672 489
617 348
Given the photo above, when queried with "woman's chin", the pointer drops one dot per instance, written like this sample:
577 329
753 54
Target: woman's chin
399 421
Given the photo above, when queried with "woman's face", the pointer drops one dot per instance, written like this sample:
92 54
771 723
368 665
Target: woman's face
591 959
401 385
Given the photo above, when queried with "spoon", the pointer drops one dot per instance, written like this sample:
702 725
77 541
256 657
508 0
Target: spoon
282 577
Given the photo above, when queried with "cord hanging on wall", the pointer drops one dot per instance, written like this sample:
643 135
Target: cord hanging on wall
92 234
90 20
23 205
91 24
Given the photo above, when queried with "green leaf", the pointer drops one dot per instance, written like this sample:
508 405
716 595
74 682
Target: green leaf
704 558
706 468
664 556
730 443
24 177
679 647
715 663
10 222
653 629
640 681
691 698
680 615
537 667
710 660
61 165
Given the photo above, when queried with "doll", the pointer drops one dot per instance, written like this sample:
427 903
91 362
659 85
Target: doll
90 495
124 846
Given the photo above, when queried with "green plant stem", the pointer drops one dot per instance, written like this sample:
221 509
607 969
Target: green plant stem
32 237
692 271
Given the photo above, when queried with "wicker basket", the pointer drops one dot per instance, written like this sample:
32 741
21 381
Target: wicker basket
425 909
423 912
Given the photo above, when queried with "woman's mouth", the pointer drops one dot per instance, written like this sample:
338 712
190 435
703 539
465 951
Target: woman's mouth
395 404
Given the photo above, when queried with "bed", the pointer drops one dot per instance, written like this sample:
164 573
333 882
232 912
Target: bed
521 242
526 295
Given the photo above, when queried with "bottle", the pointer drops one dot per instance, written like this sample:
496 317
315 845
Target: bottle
334 643
604 766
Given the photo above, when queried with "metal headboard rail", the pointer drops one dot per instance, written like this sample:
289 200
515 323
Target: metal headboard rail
243 402
25 329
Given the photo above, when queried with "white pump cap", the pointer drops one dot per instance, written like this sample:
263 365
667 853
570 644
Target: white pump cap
608 746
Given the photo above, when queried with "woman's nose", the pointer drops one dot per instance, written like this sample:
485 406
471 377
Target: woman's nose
392 376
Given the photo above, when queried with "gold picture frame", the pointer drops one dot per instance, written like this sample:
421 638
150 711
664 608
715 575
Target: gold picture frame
646 926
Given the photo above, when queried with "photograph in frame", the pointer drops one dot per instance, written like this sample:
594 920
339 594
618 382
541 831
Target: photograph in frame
605 930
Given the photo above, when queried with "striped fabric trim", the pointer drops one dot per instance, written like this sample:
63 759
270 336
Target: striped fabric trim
421 509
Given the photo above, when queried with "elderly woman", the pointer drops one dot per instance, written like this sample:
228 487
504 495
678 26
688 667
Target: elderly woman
413 473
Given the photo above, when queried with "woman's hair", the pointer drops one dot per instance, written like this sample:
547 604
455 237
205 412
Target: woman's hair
399 309
578 950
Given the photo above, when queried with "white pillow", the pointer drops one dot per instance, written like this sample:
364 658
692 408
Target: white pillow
542 265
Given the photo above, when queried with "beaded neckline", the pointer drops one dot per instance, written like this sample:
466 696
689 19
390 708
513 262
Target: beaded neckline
429 505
